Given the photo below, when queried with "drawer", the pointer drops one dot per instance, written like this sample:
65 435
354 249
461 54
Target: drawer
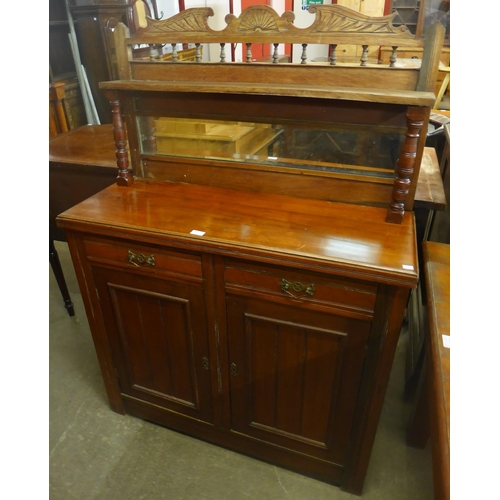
143 258
285 284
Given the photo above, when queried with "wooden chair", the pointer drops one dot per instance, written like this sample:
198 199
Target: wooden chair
444 86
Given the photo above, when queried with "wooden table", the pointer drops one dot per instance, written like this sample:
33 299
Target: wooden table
82 162
430 198
431 413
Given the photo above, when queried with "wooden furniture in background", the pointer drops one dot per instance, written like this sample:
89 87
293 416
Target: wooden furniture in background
57 117
430 197
81 163
431 412
62 72
444 87
94 24
440 228
229 297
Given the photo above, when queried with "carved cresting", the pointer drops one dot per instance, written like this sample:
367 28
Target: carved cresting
125 177
263 20
337 18
404 168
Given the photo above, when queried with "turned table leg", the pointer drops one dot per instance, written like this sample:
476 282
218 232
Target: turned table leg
58 273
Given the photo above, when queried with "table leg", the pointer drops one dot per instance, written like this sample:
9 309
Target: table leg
58 273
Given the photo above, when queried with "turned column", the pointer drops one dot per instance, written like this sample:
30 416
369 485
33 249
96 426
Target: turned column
125 177
405 166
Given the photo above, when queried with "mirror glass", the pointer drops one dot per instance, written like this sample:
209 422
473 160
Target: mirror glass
337 148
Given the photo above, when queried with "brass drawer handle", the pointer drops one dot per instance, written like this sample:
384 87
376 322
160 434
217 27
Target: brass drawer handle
139 260
289 287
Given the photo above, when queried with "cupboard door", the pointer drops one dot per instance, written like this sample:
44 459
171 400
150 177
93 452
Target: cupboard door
158 336
294 375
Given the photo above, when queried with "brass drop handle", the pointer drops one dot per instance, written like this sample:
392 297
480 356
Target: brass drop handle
296 288
205 363
234 369
139 260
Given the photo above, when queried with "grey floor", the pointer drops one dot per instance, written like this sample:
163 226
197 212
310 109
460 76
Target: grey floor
98 454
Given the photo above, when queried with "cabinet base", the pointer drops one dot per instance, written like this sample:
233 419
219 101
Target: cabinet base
286 458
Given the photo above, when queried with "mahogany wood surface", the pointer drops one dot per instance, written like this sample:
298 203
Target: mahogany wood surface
298 230
87 145
217 301
437 273
216 306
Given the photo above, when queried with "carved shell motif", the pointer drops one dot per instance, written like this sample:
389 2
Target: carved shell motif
258 20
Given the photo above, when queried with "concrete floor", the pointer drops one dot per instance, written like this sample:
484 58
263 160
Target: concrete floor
98 454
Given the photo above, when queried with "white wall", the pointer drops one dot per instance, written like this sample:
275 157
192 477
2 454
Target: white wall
168 7
304 19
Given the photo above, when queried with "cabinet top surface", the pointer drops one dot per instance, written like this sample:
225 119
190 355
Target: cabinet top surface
354 240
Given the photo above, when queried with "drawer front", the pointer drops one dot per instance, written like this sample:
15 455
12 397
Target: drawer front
143 258
285 284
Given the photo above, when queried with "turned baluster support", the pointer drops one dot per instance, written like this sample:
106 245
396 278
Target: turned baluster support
364 55
404 168
303 57
275 53
333 54
393 57
249 52
125 177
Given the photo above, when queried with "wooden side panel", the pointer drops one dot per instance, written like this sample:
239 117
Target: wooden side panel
157 332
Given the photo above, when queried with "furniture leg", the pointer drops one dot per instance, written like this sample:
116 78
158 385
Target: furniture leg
58 273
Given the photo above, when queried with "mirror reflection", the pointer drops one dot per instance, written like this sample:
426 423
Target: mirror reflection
328 147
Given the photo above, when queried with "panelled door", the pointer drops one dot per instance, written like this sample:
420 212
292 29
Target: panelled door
295 375
158 336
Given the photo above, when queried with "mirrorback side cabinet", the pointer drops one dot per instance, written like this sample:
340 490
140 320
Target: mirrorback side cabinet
245 283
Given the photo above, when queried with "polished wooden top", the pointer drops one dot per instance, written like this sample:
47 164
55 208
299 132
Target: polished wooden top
87 145
430 189
352 240
437 274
